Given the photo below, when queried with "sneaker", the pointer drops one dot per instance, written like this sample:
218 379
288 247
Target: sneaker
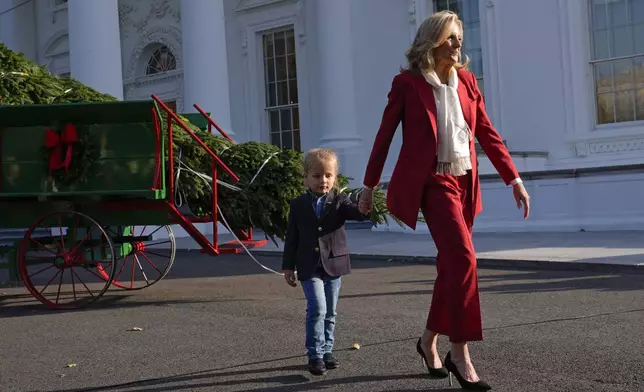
330 361
316 367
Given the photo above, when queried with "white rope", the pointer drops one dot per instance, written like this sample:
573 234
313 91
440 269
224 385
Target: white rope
262 166
223 218
208 180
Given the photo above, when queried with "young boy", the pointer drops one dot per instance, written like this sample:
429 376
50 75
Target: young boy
316 247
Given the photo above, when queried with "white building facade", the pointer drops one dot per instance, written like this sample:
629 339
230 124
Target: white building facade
563 82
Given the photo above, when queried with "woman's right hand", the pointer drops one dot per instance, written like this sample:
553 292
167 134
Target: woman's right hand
365 204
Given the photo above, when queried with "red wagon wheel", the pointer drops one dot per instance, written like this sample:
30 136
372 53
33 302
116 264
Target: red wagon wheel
145 253
63 257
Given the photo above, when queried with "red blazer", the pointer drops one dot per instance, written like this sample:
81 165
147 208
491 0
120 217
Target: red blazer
411 100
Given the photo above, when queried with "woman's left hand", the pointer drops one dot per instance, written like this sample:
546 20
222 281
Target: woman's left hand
521 197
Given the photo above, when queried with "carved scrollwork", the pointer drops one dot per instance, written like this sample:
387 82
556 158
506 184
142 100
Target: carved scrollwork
301 21
616 146
411 10
158 10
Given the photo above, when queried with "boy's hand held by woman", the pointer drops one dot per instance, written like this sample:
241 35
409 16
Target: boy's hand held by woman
289 276
366 201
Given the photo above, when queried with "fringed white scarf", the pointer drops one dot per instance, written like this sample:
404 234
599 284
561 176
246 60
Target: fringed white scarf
454 134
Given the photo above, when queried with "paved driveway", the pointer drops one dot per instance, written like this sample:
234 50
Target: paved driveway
221 324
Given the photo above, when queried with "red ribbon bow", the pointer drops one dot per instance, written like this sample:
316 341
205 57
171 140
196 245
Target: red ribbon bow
56 141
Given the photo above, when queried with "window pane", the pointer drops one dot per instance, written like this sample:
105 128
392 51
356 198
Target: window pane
162 60
290 42
296 118
623 74
282 93
625 106
637 10
275 138
473 35
297 144
640 104
271 95
292 91
292 66
274 119
280 67
454 6
639 72
622 38
287 140
602 49
270 70
473 7
268 45
617 14
638 33
603 77
286 119
605 108
599 14
476 63
280 44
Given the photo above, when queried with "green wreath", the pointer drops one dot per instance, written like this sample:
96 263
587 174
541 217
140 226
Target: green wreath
69 155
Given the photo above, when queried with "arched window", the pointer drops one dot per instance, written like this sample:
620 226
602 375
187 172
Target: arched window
162 60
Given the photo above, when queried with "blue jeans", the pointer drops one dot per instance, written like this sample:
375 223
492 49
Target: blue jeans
321 300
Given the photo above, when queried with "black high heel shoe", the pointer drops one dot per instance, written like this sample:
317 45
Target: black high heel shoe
433 372
466 385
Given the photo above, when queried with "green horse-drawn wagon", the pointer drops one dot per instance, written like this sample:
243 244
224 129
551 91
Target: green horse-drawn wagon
94 184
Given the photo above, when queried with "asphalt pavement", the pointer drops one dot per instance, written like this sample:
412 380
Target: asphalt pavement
223 324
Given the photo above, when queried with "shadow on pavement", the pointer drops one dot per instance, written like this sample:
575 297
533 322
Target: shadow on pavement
291 382
548 281
296 378
29 307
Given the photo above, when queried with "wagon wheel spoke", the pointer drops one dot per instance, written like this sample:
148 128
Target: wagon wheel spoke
146 254
138 262
74 242
42 270
42 246
150 261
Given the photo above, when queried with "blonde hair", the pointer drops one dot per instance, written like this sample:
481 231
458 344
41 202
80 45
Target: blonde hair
432 32
314 157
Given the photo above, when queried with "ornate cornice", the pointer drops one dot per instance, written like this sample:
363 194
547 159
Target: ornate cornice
158 10
131 86
247 5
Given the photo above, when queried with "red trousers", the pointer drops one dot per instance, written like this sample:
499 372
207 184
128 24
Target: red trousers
455 310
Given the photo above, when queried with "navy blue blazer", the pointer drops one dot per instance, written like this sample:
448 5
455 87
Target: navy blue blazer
311 241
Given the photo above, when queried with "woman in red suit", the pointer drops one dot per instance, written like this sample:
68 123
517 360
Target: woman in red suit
442 111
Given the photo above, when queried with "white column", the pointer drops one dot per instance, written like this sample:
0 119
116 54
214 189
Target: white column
95 45
339 123
205 60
